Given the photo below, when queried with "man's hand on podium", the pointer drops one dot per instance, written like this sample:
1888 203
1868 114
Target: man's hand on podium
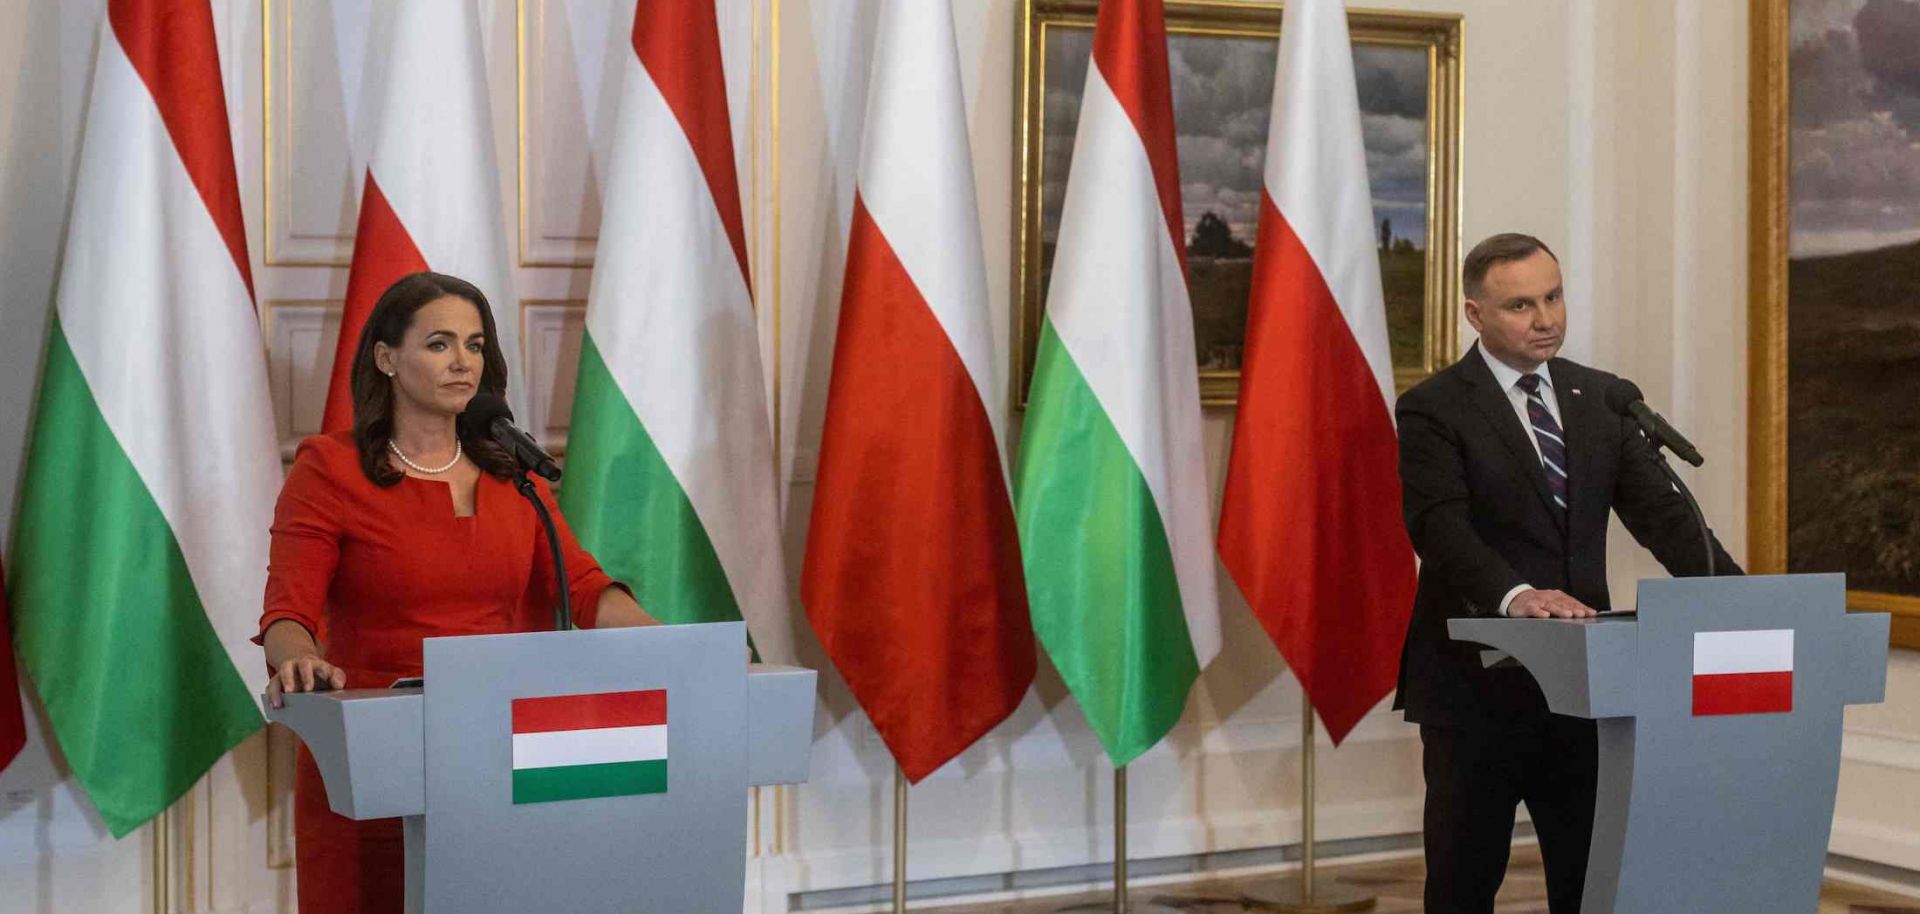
308 673
1547 604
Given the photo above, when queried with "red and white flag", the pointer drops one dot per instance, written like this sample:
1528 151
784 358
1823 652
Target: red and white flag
913 578
431 198
1310 526
1748 672
13 723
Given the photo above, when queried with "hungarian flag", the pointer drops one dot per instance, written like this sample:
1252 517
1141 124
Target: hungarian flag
1115 521
670 476
1310 524
13 723
431 197
141 550
1748 672
912 575
600 744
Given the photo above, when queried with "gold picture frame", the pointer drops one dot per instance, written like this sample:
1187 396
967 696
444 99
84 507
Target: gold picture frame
1436 340
1769 236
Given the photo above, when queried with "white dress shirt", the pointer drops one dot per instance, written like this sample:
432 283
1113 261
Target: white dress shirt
1508 378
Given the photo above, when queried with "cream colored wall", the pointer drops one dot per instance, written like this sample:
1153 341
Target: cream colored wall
1612 128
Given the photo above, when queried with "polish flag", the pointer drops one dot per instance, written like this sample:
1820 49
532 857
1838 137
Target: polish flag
431 198
599 744
1748 672
1310 523
913 577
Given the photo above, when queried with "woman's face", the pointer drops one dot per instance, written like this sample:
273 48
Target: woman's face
436 368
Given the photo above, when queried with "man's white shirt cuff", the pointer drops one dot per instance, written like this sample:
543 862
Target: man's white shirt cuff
1507 600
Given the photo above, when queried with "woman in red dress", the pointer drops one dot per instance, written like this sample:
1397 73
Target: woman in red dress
405 528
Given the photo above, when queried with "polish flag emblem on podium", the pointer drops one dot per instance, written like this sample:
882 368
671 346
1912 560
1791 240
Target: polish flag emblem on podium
1749 672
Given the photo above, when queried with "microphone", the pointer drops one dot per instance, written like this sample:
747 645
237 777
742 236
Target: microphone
488 413
1623 397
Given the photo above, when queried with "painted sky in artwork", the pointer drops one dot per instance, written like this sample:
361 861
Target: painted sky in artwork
1222 96
1855 153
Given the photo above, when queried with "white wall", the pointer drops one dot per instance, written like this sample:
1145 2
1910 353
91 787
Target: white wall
1615 129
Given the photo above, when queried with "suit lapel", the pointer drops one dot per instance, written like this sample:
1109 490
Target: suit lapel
1498 410
1578 427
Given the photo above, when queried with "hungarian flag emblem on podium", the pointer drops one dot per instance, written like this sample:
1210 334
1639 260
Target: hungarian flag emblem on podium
577 747
1747 672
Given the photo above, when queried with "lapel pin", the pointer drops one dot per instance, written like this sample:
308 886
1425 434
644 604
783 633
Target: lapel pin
1576 391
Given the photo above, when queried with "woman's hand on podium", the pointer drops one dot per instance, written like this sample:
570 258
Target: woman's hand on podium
307 673
295 660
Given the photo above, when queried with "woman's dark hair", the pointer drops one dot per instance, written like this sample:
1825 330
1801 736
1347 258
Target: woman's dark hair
373 390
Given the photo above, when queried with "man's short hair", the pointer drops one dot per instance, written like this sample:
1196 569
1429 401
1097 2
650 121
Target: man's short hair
1503 248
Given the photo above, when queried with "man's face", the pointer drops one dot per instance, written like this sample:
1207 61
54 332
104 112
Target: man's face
1521 312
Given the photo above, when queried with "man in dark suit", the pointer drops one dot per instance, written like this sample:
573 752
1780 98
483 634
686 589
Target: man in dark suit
1510 463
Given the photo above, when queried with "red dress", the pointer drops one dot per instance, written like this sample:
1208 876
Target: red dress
371 571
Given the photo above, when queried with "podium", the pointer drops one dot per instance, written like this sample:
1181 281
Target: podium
1719 709
575 771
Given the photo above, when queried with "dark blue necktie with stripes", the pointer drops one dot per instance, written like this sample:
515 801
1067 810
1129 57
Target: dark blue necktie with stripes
1553 442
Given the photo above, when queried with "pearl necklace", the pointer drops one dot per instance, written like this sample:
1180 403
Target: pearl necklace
427 471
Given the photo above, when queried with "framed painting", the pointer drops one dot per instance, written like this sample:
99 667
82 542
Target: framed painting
1835 297
1222 55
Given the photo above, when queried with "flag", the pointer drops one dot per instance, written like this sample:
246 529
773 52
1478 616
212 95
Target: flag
1745 672
601 744
141 549
13 723
430 199
912 575
1111 493
1310 524
670 476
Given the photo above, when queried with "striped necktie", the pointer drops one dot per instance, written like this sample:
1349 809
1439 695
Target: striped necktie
1553 442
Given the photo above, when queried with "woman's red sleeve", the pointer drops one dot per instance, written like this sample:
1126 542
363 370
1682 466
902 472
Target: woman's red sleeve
305 547
585 580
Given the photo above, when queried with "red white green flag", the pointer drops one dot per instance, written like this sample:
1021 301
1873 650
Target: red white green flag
140 551
599 744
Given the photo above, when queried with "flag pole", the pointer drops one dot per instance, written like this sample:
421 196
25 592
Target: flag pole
162 864
1120 840
1121 903
1300 894
899 840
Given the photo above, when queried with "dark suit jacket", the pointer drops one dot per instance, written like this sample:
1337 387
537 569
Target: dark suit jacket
1481 517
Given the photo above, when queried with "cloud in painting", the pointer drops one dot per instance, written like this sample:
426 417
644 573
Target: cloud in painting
1222 97
1391 81
1855 118
1889 33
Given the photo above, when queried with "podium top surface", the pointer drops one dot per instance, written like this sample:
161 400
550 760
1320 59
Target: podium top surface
1686 628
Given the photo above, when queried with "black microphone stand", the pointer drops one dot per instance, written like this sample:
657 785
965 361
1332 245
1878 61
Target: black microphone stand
563 614
1679 485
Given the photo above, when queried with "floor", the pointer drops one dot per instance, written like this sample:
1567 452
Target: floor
1397 886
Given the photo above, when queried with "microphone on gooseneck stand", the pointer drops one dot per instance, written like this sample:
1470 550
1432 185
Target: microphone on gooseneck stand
488 415
1623 397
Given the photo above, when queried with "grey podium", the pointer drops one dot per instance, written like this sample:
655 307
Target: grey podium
1719 709
575 771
